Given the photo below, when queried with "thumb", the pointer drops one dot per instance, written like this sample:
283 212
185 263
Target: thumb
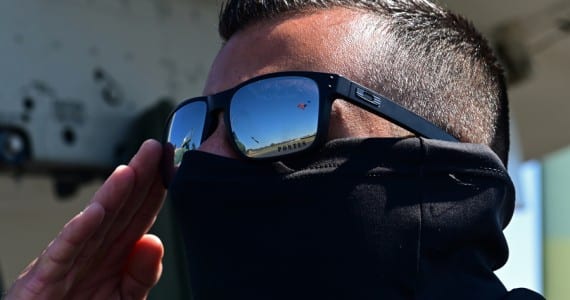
144 267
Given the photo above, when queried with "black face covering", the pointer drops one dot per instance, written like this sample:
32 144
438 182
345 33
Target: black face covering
366 219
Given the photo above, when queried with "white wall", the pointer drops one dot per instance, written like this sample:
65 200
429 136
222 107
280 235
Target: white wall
151 48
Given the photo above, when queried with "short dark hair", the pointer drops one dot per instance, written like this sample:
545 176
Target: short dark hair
428 59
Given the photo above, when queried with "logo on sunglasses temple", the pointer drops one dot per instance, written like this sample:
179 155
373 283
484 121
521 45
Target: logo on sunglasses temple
368 97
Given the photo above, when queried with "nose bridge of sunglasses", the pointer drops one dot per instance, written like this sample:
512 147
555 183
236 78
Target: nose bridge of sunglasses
215 111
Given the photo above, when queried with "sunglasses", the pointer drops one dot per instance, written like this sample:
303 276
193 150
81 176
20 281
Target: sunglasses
274 116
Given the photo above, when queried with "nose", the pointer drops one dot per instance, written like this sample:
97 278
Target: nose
218 142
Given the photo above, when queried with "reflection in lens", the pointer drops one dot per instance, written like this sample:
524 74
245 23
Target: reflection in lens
275 116
168 169
186 129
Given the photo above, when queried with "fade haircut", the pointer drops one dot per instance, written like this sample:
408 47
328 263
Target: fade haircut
426 58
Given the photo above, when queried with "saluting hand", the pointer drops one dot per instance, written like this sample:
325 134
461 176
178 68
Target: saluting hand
104 251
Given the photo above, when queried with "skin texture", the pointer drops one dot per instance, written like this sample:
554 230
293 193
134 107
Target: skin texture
320 41
104 251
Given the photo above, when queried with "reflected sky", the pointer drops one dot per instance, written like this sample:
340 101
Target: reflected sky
186 129
275 110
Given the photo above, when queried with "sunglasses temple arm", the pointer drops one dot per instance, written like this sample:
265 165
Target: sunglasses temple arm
390 110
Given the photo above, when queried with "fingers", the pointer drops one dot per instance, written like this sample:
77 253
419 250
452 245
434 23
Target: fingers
140 210
145 164
144 267
87 243
145 216
122 205
60 255
111 197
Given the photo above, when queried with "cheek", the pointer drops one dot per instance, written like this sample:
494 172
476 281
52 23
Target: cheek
348 120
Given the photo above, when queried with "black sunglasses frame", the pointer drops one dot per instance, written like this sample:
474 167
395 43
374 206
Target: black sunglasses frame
331 87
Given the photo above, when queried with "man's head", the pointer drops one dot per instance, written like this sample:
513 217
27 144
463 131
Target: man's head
427 59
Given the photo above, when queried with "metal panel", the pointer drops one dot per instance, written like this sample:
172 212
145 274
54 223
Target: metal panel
75 73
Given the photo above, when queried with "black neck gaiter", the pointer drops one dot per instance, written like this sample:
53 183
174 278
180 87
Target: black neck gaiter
366 219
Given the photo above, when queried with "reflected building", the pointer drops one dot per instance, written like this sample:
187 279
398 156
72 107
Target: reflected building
290 146
185 146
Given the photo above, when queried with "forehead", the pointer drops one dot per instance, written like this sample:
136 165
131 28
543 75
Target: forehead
322 40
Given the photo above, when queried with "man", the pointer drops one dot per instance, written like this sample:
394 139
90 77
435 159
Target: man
374 213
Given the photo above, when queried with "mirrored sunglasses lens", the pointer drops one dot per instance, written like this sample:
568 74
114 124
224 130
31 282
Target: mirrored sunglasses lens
275 116
185 131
